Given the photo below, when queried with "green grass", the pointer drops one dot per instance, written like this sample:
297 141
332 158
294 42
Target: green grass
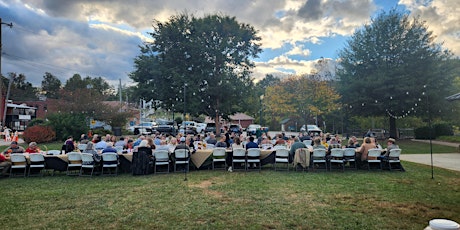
413 147
455 139
239 200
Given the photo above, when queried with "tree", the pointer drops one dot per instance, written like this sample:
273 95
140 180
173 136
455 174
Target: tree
198 65
51 85
301 97
22 90
386 66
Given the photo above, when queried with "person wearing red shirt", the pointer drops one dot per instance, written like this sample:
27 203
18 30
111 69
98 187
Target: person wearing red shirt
33 148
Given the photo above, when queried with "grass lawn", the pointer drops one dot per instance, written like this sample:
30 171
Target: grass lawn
238 200
411 147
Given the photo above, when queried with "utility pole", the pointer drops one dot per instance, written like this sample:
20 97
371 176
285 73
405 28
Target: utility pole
1 76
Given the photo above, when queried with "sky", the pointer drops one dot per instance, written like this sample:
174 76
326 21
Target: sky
101 38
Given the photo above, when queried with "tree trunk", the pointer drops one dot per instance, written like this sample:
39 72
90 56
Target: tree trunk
217 120
393 132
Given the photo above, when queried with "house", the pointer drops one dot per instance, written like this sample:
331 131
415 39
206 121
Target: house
19 115
238 118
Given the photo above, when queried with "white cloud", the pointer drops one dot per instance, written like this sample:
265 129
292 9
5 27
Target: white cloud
299 50
442 17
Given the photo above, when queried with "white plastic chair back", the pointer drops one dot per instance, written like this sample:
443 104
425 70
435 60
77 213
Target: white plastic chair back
74 156
54 152
307 142
181 153
266 146
318 153
18 158
82 147
337 152
280 147
210 146
161 155
254 152
394 153
109 157
282 153
374 153
119 149
239 152
218 152
349 152
36 157
87 158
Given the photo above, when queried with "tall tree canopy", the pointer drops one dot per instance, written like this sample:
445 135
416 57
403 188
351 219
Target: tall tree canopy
51 85
386 66
300 97
21 90
210 55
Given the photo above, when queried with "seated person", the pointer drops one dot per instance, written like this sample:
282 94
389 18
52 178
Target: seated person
109 148
222 142
317 144
90 149
251 144
361 154
212 139
333 144
391 144
163 146
33 148
14 148
280 140
5 164
296 145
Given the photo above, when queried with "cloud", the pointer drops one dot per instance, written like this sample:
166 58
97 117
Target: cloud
442 17
101 38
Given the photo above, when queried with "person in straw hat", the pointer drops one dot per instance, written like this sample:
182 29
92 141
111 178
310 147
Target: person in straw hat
391 144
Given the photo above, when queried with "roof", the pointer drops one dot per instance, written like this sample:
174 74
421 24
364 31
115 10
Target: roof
240 116
453 97
21 106
236 117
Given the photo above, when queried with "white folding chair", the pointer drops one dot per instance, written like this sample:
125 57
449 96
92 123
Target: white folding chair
239 156
18 162
109 162
218 156
119 149
282 157
253 157
280 147
87 163
81 147
307 142
393 158
37 162
210 146
349 156
373 158
161 159
74 165
181 157
54 152
337 158
318 158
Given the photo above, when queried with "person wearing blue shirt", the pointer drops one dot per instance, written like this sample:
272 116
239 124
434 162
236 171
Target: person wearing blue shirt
251 144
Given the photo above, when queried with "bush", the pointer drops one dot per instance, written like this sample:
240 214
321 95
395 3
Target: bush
39 134
440 129
35 122
68 124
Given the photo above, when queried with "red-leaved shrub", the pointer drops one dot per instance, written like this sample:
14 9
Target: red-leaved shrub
39 134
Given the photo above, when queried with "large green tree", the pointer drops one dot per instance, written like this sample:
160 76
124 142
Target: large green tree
51 85
393 67
21 90
202 62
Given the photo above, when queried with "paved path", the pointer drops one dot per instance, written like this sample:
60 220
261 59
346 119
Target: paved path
439 142
443 160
